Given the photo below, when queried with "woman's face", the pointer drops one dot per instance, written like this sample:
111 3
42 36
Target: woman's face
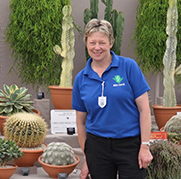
98 46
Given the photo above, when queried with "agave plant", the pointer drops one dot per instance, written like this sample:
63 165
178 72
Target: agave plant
14 99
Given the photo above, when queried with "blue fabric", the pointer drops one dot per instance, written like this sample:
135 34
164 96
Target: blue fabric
120 117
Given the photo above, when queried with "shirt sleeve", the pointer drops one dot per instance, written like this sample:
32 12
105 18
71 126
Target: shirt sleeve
137 80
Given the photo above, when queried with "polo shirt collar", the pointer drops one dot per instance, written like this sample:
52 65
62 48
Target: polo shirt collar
114 63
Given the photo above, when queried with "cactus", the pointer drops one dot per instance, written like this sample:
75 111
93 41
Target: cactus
67 47
26 129
115 18
169 59
173 128
58 153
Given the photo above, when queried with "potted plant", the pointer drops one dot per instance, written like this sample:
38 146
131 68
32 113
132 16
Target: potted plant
13 100
28 130
58 157
9 152
166 160
34 28
62 94
169 108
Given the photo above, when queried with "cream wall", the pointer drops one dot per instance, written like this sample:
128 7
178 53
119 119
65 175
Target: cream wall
129 9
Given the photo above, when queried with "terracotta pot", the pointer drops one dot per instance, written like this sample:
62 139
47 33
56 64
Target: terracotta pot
6 173
53 170
163 114
30 157
61 97
3 119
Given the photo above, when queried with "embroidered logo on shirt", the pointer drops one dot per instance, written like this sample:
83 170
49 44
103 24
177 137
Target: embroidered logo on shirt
118 79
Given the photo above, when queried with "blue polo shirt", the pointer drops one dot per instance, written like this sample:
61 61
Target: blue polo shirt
123 83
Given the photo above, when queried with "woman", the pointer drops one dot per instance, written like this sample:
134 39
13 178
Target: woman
112 110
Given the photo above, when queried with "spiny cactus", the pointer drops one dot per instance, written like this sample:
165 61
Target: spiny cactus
67 51
14 99
173 128
169 59
115 18
26 129
58 153
173 124
117 21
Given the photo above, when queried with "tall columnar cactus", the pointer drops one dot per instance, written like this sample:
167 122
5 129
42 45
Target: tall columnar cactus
114 17
169 59
117 21
26 129
67 47
58 153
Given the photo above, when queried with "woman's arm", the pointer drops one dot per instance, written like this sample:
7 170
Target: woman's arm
145 156
81 130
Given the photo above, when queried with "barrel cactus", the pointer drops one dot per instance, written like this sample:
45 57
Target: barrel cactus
58 153
67 47
26 129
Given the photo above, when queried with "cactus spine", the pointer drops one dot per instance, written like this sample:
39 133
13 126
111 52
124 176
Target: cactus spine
26 129
58 153
169 59
67 47
114 17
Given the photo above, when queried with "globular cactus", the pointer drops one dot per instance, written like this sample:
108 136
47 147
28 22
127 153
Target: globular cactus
173 128
26 129
115 18
67 47
58 153
173 124
169 59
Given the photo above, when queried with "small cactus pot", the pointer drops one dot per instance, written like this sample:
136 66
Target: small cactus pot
53 170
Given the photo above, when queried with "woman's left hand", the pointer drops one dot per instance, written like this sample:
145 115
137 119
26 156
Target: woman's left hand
145 157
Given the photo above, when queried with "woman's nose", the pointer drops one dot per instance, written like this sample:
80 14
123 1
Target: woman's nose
97 46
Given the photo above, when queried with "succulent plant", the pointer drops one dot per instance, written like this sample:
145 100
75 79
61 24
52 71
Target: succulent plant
26 129
14 99
9 151
58 153
169 59
113 16
67 47
166 160
173 128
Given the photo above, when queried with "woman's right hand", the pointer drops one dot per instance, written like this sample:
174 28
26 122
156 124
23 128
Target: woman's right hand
84 171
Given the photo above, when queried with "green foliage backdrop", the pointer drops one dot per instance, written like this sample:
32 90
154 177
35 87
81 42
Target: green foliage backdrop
150 34
34 28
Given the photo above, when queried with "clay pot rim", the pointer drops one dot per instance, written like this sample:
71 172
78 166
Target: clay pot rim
59 166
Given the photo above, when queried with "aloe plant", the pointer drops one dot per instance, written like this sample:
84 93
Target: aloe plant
9 151
14 99
169 59
67 47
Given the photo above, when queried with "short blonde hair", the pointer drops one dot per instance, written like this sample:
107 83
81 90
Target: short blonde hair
96 25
